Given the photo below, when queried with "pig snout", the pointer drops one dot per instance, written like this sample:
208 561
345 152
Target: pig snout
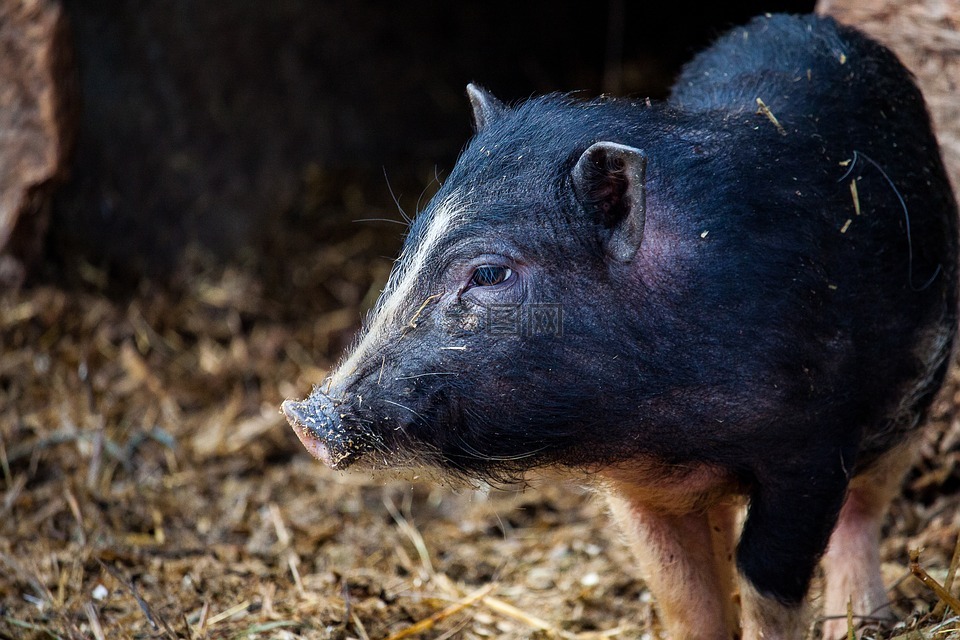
319 423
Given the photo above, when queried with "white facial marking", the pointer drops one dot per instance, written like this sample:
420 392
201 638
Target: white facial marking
400 287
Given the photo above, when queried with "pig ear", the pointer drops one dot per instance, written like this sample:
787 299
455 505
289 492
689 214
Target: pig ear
609 182
486 107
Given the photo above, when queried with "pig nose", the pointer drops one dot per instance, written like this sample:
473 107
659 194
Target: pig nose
310 422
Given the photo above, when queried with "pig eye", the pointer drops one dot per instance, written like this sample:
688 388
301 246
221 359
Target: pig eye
489 275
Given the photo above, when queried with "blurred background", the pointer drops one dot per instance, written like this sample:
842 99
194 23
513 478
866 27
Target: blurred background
218 124
198 203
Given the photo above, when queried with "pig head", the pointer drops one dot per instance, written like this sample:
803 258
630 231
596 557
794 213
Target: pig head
500 332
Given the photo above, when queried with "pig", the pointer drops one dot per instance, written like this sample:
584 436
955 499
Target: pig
743 296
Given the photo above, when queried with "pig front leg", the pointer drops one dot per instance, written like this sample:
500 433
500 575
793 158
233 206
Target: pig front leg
684 533
687 563
792 513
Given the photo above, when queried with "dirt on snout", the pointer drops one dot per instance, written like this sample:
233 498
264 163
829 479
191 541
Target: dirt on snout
150 487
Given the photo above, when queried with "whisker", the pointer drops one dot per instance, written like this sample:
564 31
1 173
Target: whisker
430 373
468 448
400 222
406 408
427 187
396 200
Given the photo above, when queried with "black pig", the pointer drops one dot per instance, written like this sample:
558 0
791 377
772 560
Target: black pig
748 291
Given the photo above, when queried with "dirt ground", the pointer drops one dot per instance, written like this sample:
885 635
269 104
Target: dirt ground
151 489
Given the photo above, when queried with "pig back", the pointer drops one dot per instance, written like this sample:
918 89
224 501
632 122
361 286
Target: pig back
832 222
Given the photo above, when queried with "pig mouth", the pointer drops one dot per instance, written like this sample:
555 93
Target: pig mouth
322 432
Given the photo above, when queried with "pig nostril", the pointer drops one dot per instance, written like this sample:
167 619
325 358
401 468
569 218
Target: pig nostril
320 432
292 411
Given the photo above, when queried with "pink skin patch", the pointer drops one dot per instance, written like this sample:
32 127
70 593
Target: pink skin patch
314 446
